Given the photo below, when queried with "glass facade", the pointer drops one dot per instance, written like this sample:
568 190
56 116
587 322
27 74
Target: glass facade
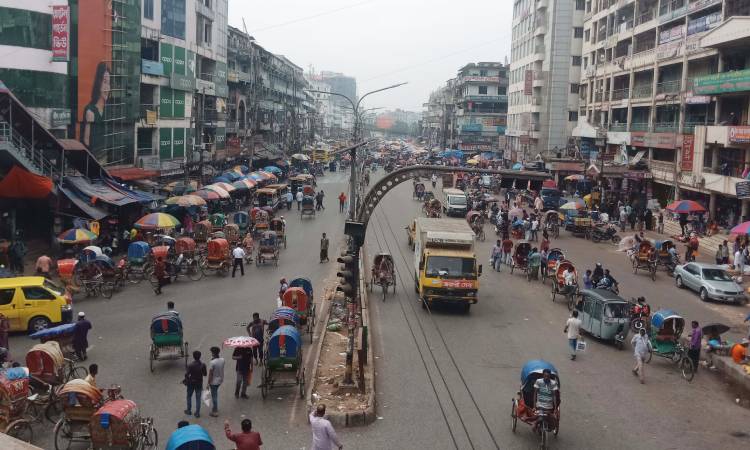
38 89
22 28
173 18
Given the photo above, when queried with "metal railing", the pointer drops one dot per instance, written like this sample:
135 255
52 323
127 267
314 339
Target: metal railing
668 87
24 149
619 94
689 126
639 126
642 91
645 17
618 127
665 127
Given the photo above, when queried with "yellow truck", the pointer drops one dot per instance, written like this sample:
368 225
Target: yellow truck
445 265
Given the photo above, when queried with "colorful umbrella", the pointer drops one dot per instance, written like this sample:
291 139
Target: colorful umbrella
244 184
156 221
241 168
273 169
212 187
76 236
232 175
226 186
207 195
186 201
575 177
266 175
222 179
241 342
743 228
578 204
256 176
300 157
685 207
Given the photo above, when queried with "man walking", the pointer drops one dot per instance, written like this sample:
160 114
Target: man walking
193 381
300 196
323 434
289 199
256 329
694 352
215 378
239 257
573 328
725 253
641 347
248 439
324 248
80 336
244 369
496 255
342 202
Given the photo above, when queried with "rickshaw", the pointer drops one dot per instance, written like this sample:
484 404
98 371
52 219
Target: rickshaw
604 315
81 400
663 257
558 281
418 191
66 270
283 354
242 220
578 223
111 273
308 191
190 437
138 261
308 207
218 258
645 259
48 369
552 223
280 317
664 334
218 220
118 425
202 230
279 227
14 403
188 258
297 299
523 407
306 285
261 219
548 268
521 257
267 197
232 233
429 195
268 249
476 222
432 208
167 340
383 273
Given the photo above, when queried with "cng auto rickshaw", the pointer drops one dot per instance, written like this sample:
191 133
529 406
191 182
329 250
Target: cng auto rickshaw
604 315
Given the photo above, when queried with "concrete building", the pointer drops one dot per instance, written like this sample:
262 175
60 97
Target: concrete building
439 121
481 106
665 82
341 84
544 75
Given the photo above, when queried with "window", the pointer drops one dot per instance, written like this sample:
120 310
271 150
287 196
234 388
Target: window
22 28
37 293
173 18
572 116
483 90
6 296
207 33
148 9
577 32
483 73
576 60
574 88
580 5
587 35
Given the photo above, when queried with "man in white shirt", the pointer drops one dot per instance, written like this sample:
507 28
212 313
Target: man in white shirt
215 378
641 346
569 277
239 256
573 327
300 196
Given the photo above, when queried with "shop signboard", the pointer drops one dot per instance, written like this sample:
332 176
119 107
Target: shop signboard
60 32
59 118
165 143
739 135
655 140
528 82
178 143
637 175
479 79
742 189
720 83
686 162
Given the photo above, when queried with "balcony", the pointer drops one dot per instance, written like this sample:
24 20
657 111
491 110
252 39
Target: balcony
668 87
697 5
672 10
486 98
620 94
211 115
666 127
618 127
639 126
231 126
642 91
689 126
646 17
662 170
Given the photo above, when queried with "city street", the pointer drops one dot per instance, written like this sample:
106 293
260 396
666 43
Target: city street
477 355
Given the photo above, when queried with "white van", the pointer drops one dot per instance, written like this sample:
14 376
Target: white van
456 203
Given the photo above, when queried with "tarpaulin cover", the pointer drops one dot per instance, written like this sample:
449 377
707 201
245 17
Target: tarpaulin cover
20 183
99 192
90 210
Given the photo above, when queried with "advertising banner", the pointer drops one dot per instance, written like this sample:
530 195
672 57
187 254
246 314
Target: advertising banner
686 162
60 32
721 83
178 143
528 82
739 135
165 143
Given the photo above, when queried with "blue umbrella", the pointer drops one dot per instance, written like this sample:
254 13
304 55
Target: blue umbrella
233 176
517 166
273 169
255 176
222 179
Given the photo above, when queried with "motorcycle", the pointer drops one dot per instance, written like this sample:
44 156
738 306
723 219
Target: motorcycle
672 263
607 284
608 233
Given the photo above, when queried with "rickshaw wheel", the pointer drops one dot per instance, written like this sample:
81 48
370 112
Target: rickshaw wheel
557 426
513 416
512 266
372 281
302 384
151 357
194 270
687 369
616 239
571 302
385 289
150 439
263 386
53 410
553 293
653 273
63 433
21 430
107 289
676 357
284 242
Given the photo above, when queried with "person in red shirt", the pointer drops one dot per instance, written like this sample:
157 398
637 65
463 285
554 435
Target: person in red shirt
342 202
506 255
248 439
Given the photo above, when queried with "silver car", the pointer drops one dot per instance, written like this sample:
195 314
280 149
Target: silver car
710 281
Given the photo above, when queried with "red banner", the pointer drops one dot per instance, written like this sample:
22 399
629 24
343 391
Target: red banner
60 32
687 152
528 82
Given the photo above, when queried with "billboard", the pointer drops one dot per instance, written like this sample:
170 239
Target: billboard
60 32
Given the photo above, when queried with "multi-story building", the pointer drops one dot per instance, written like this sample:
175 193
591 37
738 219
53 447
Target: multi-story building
544 76
439 121
481 106
341 84
665 81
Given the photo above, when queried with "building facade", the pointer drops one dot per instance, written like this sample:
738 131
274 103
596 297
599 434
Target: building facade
481 106
545 69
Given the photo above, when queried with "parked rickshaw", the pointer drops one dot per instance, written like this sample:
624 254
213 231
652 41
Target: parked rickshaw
552 223
308 190
62 334
218 258
188 259
663 257
278 226
645 259
523 407
267 197
202 230
48 369
138 262
432 208
383 273
476 222
578 223
604 315
429 195
282 316
297 299
118 425
558 281
14 392
548 268
308 207
232 233
268 249
664 334
81 401
190 437
306 285
167 340
218 220
261 219
521 257
418 191
66 270
242 220
283 354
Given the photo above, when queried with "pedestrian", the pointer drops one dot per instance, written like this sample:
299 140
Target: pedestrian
496 255
300 196
322 197
632 218
649 219
342 202
323 435
247 440
44 265
544 245
641 348
162 276
17 251
239 258
623 219
694 352
289 200
587 283
115 244
215 378
93 372
719 252
171 309
573 329
534 228
683 223
244 370
283 286
324 248
193 382
125 240
507 250
660 223
256 329
80 336
318 201
725 253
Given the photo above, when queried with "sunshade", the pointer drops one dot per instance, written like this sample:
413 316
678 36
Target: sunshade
256 176
685 207
300 157
76 236
232 175
19 183
207 195
241 342
273 169
222 179
186 201
226 186
267 175
212 187
743 228
244 184
94 249
575 177
241 168
572 205
156 221
715 328
472 162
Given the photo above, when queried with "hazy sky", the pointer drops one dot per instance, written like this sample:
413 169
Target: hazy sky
382 42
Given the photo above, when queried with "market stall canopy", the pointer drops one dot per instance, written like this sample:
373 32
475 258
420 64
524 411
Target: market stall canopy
221 192
273 169
132 173
585 130
226 186
76 236
186 201
22 184
685 207
300 157
575 177
157 221
207 195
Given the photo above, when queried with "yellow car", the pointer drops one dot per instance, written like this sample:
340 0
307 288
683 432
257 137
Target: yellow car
33 303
